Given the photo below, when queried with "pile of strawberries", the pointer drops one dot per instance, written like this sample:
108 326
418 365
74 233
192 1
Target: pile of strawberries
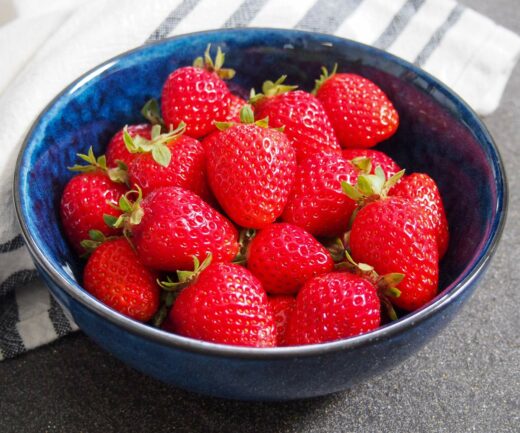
264 223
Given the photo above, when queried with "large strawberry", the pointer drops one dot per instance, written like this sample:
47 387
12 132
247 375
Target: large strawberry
317 202
358 109
197 95
300 114
376 158
226 304
394 235
251 171
115 276
170 159
172 225
283 256
282 306
333 306
117 150
423 190
87 197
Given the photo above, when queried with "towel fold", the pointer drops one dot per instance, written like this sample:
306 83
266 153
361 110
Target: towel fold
51 43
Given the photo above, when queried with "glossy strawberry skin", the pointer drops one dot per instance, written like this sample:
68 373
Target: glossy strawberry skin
282 306
360 113
236 103
317 202
196 97
304 120
423 190
115 276
116 149
177 224
226 305
283 256
86 198
377 158
187 168
251 172
395 235
333 306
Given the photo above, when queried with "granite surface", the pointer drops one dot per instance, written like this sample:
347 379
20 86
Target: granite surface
466 380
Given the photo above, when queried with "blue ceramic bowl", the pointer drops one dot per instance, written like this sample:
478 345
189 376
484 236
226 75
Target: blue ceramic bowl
439 134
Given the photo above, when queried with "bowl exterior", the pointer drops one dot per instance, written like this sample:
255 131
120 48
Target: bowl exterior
438 134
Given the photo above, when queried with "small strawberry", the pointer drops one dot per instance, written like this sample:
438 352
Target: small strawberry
377 158
283 256
115 276
333 306
116 149
358 109
171 159
301 114
394 235
236 103
422 189
171 225
317 202
197 95
251 171
225 304
87 197
282 307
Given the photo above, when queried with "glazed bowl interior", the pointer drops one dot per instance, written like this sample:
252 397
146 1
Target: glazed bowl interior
438 134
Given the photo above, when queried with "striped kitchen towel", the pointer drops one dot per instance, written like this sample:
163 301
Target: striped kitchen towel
50 43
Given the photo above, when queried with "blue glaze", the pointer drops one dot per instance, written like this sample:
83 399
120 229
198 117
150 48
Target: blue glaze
439 134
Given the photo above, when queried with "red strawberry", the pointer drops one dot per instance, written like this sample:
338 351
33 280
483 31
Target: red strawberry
394 235
115 276
282 307
317 202
87 197
251 171
283 256
377 158
236 103
116 149
423 190
333 306
301 114
226 304
172 225
171 159
197 96
359 111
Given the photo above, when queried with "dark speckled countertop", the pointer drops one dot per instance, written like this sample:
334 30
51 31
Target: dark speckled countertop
465 380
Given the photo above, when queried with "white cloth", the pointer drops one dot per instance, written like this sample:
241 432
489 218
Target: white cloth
51 43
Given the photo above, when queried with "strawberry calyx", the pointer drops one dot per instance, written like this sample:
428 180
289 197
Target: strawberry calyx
325 75
270 88
96 238
247 117
132 212
371 187
172 287
215 66
157 145
244 239
152 113
363 164
386 284
117 174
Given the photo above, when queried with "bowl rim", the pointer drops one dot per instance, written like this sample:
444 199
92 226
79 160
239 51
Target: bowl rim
451 292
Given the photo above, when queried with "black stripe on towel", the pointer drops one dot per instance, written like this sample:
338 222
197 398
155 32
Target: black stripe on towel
173 20
439 34
245 13
59 320
16 280
398 23
13 244
327 15
11 343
